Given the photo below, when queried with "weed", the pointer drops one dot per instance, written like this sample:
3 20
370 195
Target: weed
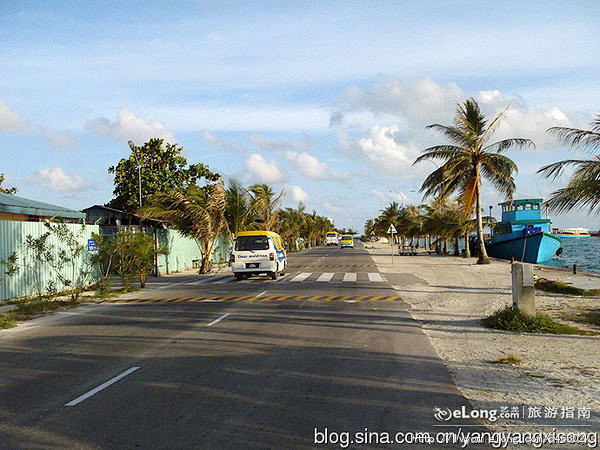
510 360
511 319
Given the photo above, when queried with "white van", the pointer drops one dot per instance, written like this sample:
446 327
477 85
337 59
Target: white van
331 238
258 252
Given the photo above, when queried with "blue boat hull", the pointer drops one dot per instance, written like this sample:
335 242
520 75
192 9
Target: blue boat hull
533 248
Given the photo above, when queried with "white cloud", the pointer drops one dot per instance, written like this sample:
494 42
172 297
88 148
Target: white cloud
383 150
419 101
223 144
274 145
299 195
10 121
263 170
58 180
414 104
130 127
58 138
390 196
312 168
334 209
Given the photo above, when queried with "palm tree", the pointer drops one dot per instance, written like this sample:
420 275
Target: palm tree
583 189
196 212
469 158
237 207
264 204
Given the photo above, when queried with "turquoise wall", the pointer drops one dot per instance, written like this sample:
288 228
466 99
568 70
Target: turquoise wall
184 252
12 239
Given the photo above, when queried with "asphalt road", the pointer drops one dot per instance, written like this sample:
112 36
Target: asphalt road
213 363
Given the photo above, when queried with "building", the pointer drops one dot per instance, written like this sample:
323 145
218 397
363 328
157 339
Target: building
112 220
14 208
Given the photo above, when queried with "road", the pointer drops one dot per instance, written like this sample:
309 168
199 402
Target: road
214 363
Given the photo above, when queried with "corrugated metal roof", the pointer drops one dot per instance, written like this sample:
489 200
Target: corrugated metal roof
19 205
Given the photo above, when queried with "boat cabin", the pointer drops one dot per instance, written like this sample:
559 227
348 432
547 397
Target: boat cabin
520 215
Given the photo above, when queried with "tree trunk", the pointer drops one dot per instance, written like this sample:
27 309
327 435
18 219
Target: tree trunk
467 249
456 252
483 257
445 246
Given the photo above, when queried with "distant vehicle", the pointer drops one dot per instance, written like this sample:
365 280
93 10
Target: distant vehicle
331 238
347 241
258 252
571 232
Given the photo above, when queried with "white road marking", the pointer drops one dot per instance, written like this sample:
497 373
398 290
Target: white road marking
326 276
350 276
261 294
225 279
102 386
375 276
205 279
216 320
170 285
303 276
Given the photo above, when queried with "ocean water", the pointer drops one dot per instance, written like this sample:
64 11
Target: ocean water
585 252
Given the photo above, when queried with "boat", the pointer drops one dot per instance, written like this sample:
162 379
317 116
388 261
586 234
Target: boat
523 234
571 232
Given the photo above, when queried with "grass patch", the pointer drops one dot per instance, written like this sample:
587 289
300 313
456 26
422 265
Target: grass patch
587 317
510 360
7 321
511 319
29 309
560 287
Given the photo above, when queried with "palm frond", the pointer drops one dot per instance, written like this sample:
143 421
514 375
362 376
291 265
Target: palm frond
556 169
576 138
453 133
505 144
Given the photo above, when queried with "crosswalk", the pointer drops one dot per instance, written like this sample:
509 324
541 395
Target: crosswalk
297 277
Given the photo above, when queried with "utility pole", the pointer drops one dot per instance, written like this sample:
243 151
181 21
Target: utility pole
133 150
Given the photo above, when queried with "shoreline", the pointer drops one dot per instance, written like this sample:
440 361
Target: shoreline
450 295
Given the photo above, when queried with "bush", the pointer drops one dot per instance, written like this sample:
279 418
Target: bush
511 319
560 287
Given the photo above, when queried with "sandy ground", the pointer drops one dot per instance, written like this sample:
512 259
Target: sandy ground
449 297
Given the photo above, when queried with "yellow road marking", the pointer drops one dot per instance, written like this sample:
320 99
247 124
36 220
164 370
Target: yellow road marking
361 298
167 300
315 297
299 297
195 299
329 298
374 299
180 300
391 299
285 297
267 298
341 299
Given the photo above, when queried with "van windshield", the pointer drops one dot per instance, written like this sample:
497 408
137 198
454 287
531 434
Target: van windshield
246 243
347 238
330 234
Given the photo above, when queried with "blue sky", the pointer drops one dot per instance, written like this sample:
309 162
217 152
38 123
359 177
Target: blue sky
328 100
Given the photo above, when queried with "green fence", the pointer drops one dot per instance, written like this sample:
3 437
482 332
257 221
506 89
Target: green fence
184 253
12 239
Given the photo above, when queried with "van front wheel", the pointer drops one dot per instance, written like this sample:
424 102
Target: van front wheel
273 275
239 276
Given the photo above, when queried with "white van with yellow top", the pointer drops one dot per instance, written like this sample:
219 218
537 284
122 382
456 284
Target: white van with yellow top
258 252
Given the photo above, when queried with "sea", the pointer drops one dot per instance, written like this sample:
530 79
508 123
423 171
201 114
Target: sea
583 251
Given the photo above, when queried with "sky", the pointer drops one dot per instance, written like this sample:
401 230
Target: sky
328 101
